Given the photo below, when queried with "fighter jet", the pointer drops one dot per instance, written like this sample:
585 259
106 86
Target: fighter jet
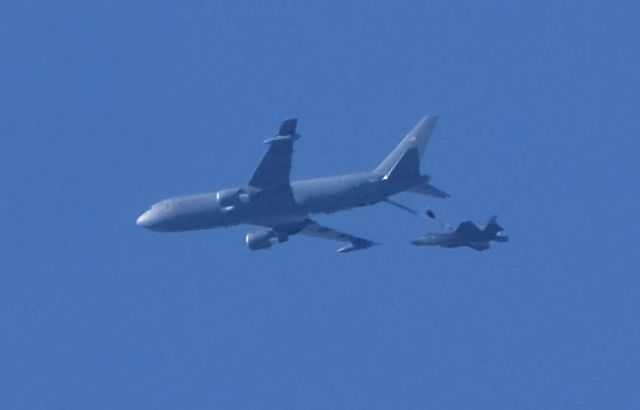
467 234
283 208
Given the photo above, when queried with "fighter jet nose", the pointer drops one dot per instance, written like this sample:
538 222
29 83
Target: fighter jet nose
144 220
419 242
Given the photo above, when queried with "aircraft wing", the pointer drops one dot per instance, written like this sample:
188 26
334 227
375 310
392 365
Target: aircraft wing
467 228
480 246
275 166
311 228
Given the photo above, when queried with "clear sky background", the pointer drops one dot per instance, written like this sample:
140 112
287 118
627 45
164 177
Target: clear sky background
108 107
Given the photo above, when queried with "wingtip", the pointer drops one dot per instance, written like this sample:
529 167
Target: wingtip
356 247
432 118
288 127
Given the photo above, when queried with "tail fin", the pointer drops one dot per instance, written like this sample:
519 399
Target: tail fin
417 138
407 167
492 226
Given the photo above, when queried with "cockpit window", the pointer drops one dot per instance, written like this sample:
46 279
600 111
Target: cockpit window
162 205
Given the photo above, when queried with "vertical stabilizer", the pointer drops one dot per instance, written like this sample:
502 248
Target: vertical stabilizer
492 226
417 138
408 167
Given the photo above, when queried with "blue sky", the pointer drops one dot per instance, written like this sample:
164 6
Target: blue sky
108 107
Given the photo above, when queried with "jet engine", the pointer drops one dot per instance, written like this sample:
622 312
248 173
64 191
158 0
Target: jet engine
263 239
229 199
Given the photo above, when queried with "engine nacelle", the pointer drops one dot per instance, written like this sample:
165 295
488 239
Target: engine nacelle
263 240
229 199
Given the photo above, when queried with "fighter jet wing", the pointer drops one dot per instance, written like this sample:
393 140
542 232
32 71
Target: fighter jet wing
467 228
312 228
480 246
275 166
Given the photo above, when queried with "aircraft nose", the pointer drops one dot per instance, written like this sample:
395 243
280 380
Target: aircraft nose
419 242
144 220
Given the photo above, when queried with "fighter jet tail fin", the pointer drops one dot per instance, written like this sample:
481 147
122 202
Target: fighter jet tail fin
492 226
417 139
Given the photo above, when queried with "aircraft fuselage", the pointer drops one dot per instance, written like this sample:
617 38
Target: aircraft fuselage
269 207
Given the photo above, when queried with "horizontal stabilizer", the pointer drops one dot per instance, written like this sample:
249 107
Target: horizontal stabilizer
426 188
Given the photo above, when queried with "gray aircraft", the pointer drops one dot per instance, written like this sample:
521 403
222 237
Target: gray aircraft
467 234
283 208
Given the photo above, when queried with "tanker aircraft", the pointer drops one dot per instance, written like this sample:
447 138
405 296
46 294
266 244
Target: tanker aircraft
282 208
